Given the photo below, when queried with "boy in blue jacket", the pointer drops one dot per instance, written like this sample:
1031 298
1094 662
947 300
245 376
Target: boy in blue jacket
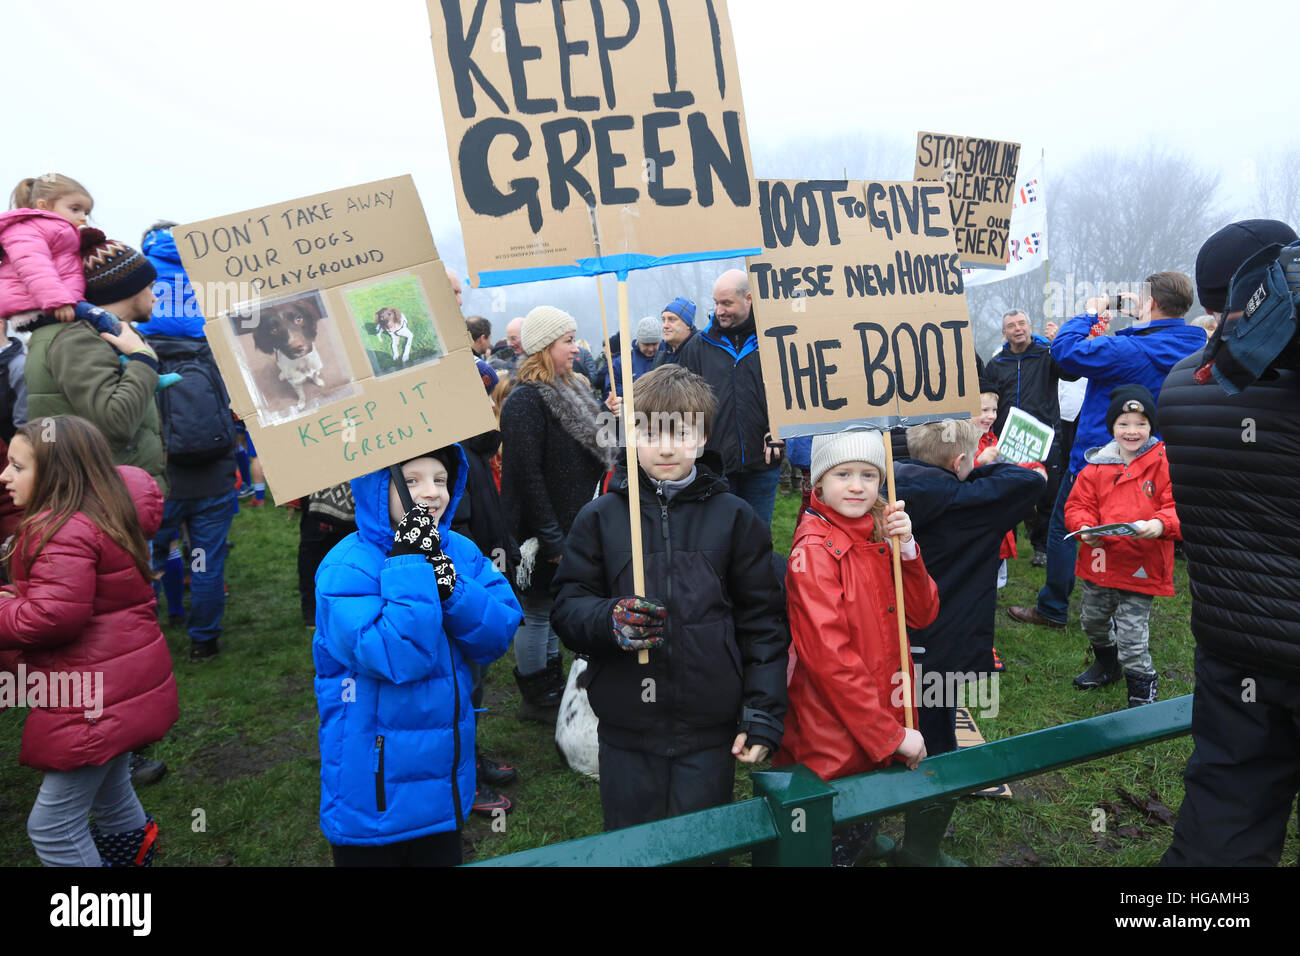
400 607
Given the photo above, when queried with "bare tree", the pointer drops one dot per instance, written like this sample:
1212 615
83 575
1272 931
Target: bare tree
1277 187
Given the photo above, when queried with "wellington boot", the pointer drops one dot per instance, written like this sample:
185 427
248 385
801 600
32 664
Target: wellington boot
1103 670
923 830
541 698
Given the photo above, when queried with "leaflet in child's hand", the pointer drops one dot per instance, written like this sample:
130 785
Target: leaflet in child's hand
1120 529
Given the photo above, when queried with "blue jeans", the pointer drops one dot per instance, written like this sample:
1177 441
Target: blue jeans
758 488
208 520
1054 598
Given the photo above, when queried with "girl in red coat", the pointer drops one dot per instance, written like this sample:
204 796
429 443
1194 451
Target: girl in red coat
92 664
846 705
1126 480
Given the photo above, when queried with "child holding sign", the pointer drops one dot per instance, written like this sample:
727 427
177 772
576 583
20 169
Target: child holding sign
846 708
1126 480
402 606
713 692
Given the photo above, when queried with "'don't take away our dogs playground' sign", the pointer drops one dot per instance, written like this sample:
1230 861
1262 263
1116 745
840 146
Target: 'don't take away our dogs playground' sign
336 331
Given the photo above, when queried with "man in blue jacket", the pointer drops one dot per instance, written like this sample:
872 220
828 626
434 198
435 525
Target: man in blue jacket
201 486
726 356
1141 354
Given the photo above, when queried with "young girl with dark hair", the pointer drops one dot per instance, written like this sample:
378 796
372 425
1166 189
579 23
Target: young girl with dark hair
81 613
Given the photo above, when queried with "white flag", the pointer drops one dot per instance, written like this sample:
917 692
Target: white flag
1027 241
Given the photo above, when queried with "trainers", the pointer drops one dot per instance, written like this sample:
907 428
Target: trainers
487 803
1039 560
493 773
998 666
145 771
204 650
1031 615
255 503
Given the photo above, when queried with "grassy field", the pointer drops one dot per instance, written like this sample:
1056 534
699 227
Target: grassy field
243 785
405 294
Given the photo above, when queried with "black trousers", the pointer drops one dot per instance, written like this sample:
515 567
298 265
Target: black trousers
637 787
1244 772
436 849
1038 522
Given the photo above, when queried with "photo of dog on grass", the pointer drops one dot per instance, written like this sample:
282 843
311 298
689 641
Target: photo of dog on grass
291 356
395 322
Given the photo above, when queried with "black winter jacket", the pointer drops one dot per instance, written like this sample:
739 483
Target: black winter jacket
546 477
1026 381
1233 464
737 380
959 526
722 667
479 515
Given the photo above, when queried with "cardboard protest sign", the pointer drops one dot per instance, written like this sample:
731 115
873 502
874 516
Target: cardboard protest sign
860 306
968 735
336 332
981 178
607 128
1024 438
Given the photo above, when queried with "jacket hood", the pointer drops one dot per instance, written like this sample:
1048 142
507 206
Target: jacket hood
148 499
708 477
370 492
855 529
1108 454
159 244
11 216
1167 350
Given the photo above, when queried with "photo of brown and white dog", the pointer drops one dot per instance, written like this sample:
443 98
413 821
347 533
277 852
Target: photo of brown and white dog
392 322
288 331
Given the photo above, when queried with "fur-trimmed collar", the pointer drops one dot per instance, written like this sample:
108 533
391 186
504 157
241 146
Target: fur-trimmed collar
1108 454
579 414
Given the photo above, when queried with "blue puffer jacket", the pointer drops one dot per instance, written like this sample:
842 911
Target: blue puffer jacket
392 681
176 312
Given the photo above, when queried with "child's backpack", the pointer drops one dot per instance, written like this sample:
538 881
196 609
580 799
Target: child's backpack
195 412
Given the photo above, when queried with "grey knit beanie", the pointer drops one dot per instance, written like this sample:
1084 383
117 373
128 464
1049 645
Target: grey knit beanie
855 444
650 330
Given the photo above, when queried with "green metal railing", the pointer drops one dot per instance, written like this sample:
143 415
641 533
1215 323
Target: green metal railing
789 822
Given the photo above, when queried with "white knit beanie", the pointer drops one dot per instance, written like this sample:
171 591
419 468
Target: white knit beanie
855 444
650 330
543 325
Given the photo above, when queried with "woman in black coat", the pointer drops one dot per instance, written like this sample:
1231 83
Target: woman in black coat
554 453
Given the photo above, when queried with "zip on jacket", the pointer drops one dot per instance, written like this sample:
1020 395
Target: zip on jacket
750 345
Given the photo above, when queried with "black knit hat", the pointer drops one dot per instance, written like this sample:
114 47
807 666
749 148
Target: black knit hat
114 271
1131 398
1227 249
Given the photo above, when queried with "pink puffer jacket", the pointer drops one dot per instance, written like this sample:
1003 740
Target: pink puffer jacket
40 262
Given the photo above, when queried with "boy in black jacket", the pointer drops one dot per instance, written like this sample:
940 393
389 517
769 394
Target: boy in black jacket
713 619
959 516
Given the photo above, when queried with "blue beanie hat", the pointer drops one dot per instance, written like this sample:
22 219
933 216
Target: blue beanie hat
684 309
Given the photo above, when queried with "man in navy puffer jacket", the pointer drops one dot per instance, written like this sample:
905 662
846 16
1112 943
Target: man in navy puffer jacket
397 619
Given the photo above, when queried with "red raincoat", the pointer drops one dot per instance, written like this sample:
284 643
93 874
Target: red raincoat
83 610
1108 491
840 592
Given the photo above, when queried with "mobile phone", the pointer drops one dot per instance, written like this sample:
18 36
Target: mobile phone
1117 303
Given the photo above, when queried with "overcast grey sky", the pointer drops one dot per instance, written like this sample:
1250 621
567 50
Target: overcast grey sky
193 110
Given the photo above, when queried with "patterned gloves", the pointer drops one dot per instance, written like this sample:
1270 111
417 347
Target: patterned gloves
638 623
417 533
